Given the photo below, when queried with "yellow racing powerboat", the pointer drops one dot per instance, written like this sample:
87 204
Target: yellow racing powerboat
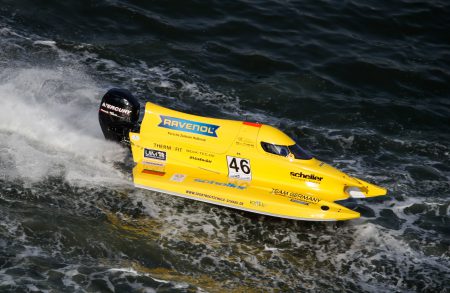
238 164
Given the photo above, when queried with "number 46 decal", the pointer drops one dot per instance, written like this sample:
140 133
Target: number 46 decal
239 168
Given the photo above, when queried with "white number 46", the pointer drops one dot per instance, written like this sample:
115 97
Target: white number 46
239 168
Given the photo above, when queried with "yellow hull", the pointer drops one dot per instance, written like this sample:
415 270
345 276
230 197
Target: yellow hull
235 164
252 197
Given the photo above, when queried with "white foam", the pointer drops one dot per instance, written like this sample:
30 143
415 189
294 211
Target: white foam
69 272
49 127
45 43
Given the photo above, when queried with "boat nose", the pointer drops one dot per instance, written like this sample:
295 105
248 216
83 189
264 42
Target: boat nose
365 189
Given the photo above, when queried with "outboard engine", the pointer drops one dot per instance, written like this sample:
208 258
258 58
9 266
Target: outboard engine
118 115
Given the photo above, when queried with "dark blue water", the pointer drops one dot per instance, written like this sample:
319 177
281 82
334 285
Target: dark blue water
363 86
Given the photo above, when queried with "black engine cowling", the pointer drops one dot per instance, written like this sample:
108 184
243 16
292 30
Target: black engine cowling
118 114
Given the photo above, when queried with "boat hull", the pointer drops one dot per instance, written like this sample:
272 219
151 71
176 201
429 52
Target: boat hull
254 196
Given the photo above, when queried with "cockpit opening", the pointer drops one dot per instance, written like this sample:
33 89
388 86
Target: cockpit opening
281 150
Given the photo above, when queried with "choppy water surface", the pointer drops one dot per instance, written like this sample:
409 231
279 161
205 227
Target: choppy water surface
365 87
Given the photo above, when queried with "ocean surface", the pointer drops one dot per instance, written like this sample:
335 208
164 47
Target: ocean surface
363 85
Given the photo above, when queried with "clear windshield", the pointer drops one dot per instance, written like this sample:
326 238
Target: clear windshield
282 150
299 153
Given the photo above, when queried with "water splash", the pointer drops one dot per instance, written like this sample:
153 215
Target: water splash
49 127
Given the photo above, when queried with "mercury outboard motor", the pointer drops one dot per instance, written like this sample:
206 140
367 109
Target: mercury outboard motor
118 115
